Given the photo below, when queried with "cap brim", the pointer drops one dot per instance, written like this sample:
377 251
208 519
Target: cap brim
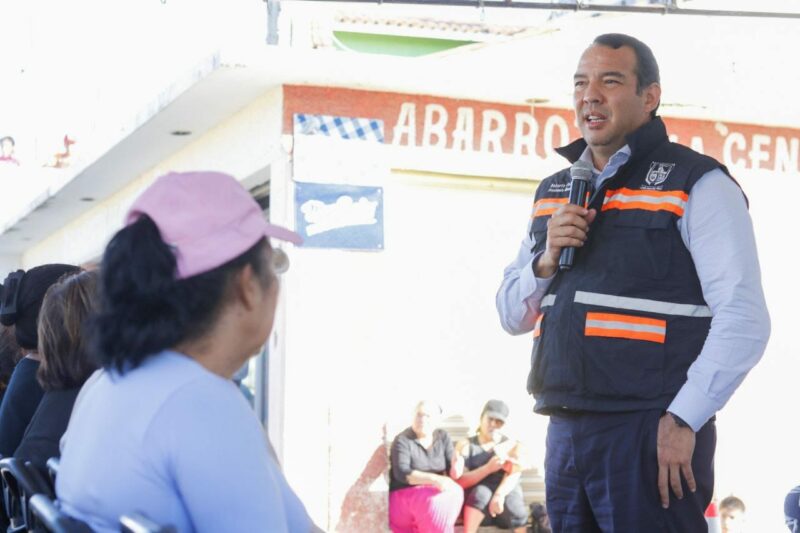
496 415
283 234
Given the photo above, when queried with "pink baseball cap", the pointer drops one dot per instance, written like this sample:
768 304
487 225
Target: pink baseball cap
207 217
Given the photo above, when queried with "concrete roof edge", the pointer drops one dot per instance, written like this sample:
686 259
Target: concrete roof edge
100 148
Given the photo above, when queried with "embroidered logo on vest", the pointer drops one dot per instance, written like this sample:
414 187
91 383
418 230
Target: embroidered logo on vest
658 173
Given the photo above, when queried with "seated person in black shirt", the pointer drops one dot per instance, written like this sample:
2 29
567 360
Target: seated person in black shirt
22 298
492 471
423 497
65 364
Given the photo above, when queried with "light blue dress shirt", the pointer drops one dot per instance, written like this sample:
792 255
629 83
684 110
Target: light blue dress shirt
179 444
717 229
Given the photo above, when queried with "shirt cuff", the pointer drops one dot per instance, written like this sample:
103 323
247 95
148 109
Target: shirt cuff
529 284
692 406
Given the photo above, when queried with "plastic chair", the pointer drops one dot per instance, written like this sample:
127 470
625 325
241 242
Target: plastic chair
52 468
20 482
13 498
139 523
48 518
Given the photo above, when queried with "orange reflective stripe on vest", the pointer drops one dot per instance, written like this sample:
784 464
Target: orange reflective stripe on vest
622 199
625 327
537 329
547 206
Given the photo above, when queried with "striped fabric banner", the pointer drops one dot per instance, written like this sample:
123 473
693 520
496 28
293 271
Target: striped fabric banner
623 199
365 129
547 206
625 327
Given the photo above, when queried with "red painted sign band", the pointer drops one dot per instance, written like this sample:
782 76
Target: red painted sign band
488 127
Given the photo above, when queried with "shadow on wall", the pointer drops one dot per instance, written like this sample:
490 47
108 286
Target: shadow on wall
363 510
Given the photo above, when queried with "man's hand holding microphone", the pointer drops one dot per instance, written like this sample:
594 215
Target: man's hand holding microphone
567 229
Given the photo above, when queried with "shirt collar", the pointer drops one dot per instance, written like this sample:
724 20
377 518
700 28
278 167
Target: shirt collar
619 158
640 141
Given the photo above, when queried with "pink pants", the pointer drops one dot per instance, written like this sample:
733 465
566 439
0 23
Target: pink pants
424 509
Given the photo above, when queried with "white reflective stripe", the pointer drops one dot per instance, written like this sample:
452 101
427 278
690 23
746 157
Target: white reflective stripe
641 304
625 198
548 300
608 324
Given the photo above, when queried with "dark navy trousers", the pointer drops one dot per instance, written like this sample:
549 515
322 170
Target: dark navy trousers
601 475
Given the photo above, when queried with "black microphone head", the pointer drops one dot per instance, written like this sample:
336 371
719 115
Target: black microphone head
581 170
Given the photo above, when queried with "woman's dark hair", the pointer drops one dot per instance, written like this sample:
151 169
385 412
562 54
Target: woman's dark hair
9 355
646 65
144 309
9 351
62 341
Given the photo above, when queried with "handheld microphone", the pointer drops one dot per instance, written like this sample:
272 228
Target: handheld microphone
581 173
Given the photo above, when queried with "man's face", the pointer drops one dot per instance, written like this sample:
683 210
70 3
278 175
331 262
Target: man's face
607 106
732 520
490 425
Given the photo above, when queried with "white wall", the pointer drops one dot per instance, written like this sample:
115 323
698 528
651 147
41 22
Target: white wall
371 333
759 429
8 263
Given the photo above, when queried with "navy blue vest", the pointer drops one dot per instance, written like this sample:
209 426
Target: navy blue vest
619 331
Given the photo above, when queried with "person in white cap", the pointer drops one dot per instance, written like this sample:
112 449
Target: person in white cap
189 292
493 464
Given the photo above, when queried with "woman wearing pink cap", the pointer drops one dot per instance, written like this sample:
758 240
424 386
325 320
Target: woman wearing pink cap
188 295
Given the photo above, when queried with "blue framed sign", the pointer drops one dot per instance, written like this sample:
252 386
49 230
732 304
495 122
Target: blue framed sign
339 216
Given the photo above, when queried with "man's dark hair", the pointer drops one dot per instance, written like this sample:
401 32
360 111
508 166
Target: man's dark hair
646 64
732 502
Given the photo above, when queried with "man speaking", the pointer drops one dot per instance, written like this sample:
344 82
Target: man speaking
648 330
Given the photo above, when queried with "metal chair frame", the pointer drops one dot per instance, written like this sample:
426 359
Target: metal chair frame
48 518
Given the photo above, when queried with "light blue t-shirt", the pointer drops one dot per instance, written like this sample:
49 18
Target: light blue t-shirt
181 445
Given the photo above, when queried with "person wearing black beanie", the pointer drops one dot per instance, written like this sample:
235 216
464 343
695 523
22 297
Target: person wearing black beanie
23 294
